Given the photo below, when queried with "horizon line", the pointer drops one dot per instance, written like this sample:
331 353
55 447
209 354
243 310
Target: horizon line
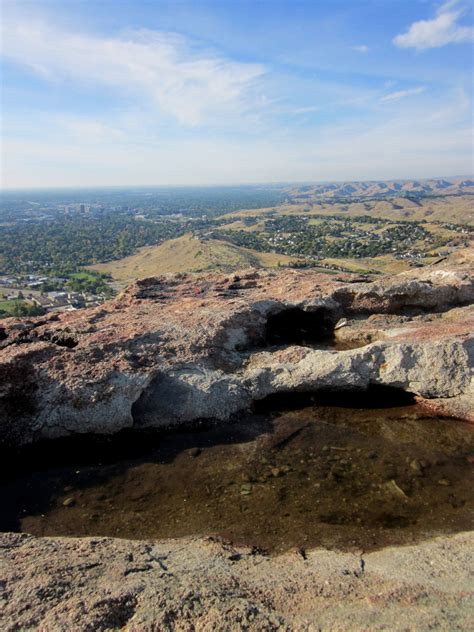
228 184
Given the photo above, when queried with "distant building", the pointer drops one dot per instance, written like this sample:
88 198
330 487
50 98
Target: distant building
8 281
82 208
42 301
55 296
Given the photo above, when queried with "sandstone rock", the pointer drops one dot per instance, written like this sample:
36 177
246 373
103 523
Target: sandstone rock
179 348
56 584
176 349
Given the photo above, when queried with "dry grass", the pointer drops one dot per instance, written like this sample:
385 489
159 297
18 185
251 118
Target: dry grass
455 209
188 254
385 264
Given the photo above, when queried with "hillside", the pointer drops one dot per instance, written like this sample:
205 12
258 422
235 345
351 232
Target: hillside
457 209
188 254
367 189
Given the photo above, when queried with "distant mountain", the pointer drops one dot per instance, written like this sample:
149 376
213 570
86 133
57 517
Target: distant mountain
384 188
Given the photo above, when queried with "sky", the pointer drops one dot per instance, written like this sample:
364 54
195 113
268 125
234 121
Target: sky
157 92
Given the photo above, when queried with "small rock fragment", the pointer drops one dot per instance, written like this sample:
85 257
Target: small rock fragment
416 466
393 487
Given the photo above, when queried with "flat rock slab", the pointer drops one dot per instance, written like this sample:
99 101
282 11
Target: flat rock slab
60 584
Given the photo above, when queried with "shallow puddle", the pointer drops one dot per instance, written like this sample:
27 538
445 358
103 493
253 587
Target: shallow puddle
343 478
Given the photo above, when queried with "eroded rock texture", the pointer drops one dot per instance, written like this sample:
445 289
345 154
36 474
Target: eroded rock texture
175 349
56 584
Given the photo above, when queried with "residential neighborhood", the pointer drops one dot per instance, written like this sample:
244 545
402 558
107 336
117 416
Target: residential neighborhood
23 296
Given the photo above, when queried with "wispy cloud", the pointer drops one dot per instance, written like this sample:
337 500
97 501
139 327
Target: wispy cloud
415 143
306 110
361 48
86 128
162 68
402 94
155 107
443 29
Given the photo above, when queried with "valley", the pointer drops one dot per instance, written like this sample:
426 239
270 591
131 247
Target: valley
116 237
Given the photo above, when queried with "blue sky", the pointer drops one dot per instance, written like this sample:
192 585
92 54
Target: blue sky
102 92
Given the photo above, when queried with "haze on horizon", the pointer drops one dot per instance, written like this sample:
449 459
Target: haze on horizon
132 93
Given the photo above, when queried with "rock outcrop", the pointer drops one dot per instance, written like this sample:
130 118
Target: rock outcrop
55 584
175 349
172 350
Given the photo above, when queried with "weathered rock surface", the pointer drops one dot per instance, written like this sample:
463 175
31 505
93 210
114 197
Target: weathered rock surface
60 584
175 349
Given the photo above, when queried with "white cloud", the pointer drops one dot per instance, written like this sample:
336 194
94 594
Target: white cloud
188 84
361 48
155 76
81 128
415 140
402 94
306 110
439 31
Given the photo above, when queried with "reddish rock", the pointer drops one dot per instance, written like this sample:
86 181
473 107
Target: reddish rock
176 348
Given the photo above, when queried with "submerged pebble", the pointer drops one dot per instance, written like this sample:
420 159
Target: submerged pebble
321 476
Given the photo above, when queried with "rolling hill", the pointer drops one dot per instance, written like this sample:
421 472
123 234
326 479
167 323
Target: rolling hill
443 208
188 254
367 189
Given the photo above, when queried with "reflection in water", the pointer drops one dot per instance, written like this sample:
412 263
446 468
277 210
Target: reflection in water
343 478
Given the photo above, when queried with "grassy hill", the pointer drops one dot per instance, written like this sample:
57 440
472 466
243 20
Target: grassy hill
188 254
449 208
367 189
